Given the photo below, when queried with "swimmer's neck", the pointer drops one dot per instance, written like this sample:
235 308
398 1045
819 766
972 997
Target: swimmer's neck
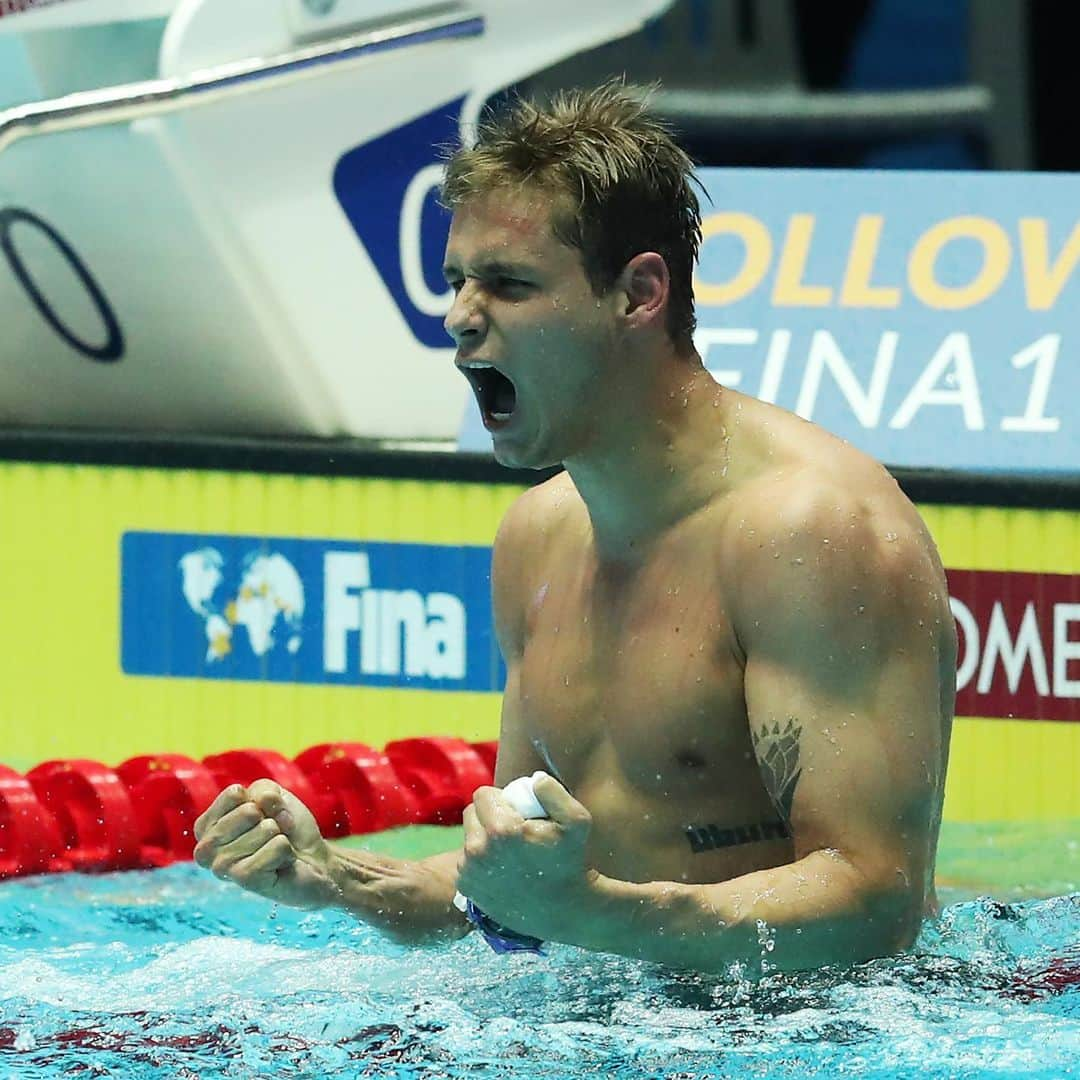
660 454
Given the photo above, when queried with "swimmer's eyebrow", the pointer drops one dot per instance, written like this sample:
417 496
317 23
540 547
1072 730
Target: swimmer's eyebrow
488 268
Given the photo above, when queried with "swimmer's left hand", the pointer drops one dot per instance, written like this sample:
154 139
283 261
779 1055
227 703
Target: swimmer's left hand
529 875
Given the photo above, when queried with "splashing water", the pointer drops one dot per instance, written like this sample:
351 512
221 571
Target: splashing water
172 973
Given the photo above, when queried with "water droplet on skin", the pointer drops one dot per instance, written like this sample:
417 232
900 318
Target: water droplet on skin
890 537
796 562
860 609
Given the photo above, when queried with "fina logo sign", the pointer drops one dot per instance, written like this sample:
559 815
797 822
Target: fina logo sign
388 189
308 611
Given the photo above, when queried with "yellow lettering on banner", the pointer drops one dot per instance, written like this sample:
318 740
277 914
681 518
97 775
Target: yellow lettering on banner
789 290
857 290
1043 283
757 245
997 254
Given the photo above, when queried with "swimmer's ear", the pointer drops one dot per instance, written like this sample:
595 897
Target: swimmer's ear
560 805
646 284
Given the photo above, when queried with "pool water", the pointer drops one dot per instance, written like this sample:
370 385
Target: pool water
170 973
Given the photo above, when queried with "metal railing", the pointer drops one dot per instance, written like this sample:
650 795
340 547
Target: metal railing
157 97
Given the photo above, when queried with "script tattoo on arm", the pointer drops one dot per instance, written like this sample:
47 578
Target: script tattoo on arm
777 751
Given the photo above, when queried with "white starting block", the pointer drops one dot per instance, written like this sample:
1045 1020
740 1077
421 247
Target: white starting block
218 216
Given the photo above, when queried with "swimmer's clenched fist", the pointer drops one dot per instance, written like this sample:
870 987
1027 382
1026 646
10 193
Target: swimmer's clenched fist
266 840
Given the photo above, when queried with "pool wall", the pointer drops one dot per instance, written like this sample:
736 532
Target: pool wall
192 597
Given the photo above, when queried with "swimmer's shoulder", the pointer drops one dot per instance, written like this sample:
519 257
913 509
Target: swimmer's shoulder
803 478
840 496
537 516
821 525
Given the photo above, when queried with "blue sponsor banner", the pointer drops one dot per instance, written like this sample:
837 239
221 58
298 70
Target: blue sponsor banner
308 611
931 319
388 189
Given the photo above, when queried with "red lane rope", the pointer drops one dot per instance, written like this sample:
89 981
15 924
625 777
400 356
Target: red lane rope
82 815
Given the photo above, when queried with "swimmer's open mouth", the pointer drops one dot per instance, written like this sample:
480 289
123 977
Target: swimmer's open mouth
495 393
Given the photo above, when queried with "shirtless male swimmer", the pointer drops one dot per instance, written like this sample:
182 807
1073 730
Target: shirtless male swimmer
726 632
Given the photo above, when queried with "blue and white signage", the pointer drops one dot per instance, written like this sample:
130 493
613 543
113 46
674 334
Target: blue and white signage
932 319
308 611
388 188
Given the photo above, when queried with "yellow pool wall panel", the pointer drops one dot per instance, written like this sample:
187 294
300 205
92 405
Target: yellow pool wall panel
66 695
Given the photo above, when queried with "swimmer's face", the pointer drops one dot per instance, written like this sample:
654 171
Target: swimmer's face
524 305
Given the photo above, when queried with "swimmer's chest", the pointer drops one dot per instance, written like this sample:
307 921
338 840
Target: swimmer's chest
634 669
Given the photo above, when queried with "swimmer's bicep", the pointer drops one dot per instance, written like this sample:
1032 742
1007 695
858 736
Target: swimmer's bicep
846 780
845 727
514 560
517 754
824 751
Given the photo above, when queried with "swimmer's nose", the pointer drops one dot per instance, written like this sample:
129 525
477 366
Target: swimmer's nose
464 321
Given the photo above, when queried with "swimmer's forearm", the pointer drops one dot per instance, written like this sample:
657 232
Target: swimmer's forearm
819 910
411 901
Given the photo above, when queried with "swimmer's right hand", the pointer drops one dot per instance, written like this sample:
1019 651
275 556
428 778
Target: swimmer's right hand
264 839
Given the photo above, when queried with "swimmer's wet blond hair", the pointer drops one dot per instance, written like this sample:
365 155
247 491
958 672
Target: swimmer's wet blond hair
628 181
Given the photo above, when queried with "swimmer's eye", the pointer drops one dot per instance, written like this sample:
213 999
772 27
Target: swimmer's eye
499 284
511 288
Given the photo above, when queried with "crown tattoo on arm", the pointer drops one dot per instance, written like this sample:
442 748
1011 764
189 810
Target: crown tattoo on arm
777 750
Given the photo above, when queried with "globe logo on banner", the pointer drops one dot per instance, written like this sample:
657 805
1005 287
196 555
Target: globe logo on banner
388 189
308 611
268 604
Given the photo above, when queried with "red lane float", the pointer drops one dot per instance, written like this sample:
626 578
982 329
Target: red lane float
93 809
29 837
443 772
168 792
82 815
365 792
